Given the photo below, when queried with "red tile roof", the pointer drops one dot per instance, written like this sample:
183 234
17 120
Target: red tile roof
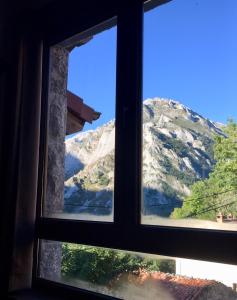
82 111
174 286
179 286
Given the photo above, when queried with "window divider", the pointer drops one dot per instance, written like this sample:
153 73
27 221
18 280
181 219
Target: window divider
213 245
42 169
127 193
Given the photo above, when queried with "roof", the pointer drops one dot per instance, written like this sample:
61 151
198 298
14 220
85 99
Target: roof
174 287
78 113
182 287
76 106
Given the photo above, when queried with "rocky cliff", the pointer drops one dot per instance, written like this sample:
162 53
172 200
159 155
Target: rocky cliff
177 151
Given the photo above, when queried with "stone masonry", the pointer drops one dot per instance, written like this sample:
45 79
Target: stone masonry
50 251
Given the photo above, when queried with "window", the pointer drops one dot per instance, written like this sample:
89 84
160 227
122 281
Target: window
81 185
126 232
136 275
189 92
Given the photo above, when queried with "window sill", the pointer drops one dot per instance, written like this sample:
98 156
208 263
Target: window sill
49 290
34 294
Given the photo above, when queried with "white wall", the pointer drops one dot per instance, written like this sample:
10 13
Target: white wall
224 273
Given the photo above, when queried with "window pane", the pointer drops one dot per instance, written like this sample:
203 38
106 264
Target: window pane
80 178
132 275
189 115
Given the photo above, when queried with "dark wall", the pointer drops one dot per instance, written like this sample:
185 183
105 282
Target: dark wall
52 22
12 29
8 118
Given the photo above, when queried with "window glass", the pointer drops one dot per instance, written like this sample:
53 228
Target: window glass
131 275
80 178
189 115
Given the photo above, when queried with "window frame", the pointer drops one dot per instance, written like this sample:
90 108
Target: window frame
126 232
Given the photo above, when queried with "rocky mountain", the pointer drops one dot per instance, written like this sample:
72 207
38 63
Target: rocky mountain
177 151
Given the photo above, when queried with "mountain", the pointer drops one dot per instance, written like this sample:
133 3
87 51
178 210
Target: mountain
177 151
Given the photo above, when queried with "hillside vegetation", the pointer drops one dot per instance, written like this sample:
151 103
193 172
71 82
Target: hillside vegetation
219 191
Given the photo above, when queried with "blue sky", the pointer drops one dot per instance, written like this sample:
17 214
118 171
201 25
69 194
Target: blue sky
190 55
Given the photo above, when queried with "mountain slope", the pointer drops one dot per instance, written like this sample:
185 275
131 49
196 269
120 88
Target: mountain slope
177 151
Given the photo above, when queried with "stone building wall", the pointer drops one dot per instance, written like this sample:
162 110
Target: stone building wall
50 262
56 130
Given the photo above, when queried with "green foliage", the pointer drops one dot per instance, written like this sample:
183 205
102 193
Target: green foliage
219 190
182 150
208 145
100 265
184 177
103 180
172 143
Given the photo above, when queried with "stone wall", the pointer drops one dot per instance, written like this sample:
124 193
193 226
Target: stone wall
50 252
56 130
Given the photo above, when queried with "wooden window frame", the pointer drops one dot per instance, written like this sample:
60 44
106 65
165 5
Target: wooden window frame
126 232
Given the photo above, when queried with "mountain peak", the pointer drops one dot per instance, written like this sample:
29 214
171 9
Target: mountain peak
161 100
177 151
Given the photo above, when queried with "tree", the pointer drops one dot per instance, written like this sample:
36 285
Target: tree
219 191
101 265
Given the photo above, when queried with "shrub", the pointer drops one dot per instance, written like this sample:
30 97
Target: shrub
100 265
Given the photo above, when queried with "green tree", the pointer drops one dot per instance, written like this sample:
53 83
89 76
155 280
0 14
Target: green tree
219 191
100 265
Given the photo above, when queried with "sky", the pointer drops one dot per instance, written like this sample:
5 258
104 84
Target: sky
190 55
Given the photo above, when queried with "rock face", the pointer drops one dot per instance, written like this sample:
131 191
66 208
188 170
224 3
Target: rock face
177 151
